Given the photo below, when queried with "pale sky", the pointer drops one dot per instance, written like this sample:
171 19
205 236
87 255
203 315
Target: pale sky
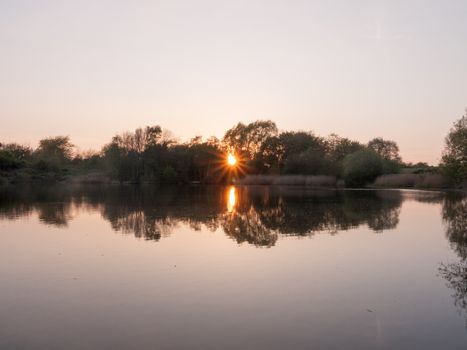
361 69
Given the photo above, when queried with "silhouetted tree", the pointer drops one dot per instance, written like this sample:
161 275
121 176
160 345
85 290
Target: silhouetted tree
362 167
53 154
57 148
292 152
385 148
151 154
337 148
13 156
389 152
247 140
454 160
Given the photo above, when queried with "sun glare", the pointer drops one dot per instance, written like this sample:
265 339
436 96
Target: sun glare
231 160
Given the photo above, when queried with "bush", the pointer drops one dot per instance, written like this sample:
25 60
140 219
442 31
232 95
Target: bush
45 166
8 161
391 166
310 162
169 175
362 167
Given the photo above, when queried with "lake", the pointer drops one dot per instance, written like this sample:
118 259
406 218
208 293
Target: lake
231 268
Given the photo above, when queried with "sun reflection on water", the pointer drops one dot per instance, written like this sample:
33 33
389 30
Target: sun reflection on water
231 199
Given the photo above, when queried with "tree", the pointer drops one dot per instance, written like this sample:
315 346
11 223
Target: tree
247 139
337 148
13 156
454 159
290 147
309 162
139 140
389 152
205 159
387 149
8 161
132 155
20 152
54 153
58 147
152 135
362 167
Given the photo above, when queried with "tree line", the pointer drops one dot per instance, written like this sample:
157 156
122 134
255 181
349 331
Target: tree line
151 154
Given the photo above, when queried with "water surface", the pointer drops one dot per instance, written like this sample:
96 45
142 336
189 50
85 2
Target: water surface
232 268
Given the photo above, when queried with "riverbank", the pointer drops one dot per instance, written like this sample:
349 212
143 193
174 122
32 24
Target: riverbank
27 175
390 181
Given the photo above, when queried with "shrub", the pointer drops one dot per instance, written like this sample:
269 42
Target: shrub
45 165
169 175
309 162
8 161
362 167
391 166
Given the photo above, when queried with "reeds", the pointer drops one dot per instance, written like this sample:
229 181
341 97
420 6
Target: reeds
410 181
315 181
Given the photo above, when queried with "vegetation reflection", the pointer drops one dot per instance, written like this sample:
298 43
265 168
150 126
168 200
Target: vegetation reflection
253 214
257 215
455 273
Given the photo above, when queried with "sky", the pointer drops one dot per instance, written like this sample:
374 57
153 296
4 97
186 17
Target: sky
360 69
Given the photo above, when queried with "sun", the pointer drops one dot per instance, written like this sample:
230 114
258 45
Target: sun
231 159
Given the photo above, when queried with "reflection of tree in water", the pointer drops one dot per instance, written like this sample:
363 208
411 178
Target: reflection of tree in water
51 207
56 214
248 227
154 213
455 218
143 226
258 216
260 213
302 213
456 278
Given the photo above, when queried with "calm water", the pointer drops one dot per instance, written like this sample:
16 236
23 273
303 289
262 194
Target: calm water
232 268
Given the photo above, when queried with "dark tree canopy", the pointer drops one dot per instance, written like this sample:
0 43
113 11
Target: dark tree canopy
248 139
57 148
454 160
362 167
277 150
152 154
340 147
385 148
